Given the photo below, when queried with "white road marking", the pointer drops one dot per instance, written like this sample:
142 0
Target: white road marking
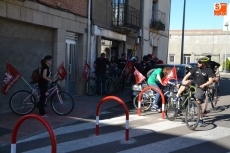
109 137
85 126
181 142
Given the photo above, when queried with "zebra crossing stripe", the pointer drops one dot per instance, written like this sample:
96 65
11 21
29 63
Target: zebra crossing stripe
85 126
182 142
109 137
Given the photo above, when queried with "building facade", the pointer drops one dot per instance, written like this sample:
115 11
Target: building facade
198 43
156 19
135 27
115 28
30 30
75 31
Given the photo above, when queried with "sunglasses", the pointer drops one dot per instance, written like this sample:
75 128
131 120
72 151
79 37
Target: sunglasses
199 62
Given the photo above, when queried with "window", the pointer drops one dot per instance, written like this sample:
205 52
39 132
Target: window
171 58
187 58
154 11
119 11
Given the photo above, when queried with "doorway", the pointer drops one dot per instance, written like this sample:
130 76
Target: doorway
71 64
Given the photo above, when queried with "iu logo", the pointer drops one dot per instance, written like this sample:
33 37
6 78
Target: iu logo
220 9
8 77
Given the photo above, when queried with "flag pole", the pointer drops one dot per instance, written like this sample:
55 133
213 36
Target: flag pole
176 74
126 65
27 83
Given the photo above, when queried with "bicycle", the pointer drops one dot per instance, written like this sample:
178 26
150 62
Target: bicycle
23 102
186 103
115 83
149 96
91 84
212 92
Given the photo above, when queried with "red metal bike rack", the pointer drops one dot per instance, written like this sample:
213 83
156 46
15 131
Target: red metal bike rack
44 122
157 90
126 112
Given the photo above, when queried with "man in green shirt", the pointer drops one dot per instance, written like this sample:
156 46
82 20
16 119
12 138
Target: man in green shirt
155 80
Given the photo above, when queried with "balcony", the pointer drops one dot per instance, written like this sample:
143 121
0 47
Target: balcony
158 20
125 19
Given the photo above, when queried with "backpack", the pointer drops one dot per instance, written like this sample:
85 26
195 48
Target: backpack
36 75
150 72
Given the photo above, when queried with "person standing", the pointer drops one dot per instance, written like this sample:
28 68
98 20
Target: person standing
122 62
100 66
146 66
43 83
121 66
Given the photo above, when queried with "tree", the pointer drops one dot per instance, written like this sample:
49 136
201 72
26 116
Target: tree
227 64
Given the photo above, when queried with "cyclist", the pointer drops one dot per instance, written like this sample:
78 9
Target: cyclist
215 68
203 77
155 81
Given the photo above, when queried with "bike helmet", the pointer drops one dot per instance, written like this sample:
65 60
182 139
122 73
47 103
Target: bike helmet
133 59
203 59
209 55
188 68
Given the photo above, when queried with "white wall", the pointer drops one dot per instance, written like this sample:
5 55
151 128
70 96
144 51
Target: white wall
160 38
227 19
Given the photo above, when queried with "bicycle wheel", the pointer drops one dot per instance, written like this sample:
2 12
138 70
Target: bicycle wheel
214 98
120 84
170 109
62 103
22 102
192 115
146 102
90 86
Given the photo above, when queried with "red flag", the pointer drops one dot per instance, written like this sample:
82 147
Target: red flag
174 72
138 76
128 67
171 76
10 78
86 70
62 72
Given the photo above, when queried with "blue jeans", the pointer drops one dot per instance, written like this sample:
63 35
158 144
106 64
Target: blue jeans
101 79
157 95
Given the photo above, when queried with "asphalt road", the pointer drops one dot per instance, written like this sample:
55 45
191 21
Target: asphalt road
147 133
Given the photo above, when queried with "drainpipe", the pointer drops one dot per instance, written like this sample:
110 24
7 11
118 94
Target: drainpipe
169 30
88 53
142 28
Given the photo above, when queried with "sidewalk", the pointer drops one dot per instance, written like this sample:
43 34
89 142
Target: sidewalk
84 107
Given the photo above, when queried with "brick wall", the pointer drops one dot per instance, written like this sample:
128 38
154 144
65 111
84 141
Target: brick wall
78 7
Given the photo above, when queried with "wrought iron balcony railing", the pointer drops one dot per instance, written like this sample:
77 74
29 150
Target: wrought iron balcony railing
158 20
125 17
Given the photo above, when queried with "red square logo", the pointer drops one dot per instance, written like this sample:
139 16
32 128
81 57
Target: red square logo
220 9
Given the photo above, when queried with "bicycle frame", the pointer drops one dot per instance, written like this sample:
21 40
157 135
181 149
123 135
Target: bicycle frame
187 96
51 91
32 93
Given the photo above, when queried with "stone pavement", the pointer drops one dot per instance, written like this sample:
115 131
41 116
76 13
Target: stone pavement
85 106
